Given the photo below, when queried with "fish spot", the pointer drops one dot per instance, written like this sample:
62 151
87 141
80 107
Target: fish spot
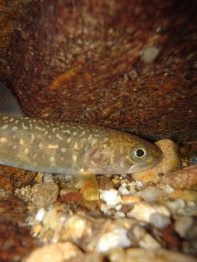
53 146
26 150
24 126
4 127
3 139
16 121
39 128
68 140
53 130
15 147
49 136
14 128
67 131
11 119
46 133
74 158
63 150
40 145
35 156
74 133
32 137
21 142
83 133
52 159
75 145
58 136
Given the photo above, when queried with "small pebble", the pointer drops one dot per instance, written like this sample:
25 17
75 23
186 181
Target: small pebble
159 220
151 194
48 177
116 238
143 211
183 224
111 197
149 54
173 206
40 214
53 253
130 199
148 242
123 190
36 229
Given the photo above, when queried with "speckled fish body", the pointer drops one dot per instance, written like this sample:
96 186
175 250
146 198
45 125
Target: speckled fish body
75 149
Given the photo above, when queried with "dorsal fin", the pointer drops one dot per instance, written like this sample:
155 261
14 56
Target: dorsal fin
8 103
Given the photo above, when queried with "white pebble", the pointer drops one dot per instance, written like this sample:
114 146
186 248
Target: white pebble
151 194
175 205
149 242
123 190
40 214
48 177
142 211
168 189
120 214
139 183
111 197
159 220
116 238
118 207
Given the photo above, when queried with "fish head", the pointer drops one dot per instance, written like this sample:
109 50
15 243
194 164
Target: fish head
123 157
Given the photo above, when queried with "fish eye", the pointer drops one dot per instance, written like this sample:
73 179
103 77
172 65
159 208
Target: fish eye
139 153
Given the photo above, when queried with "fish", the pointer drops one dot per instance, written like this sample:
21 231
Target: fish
78 150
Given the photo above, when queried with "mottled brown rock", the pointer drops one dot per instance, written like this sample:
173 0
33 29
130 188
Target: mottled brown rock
185 178
81 61
44 194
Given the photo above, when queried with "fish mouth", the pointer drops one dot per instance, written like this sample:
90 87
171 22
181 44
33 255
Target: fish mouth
141 167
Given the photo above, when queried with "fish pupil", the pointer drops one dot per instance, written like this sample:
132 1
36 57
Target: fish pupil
140 153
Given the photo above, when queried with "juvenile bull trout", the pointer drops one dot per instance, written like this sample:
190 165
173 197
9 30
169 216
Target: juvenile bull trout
77 150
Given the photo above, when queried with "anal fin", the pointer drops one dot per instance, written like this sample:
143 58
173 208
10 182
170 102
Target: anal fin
87 184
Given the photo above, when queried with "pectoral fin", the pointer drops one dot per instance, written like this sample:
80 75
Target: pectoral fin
87 184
